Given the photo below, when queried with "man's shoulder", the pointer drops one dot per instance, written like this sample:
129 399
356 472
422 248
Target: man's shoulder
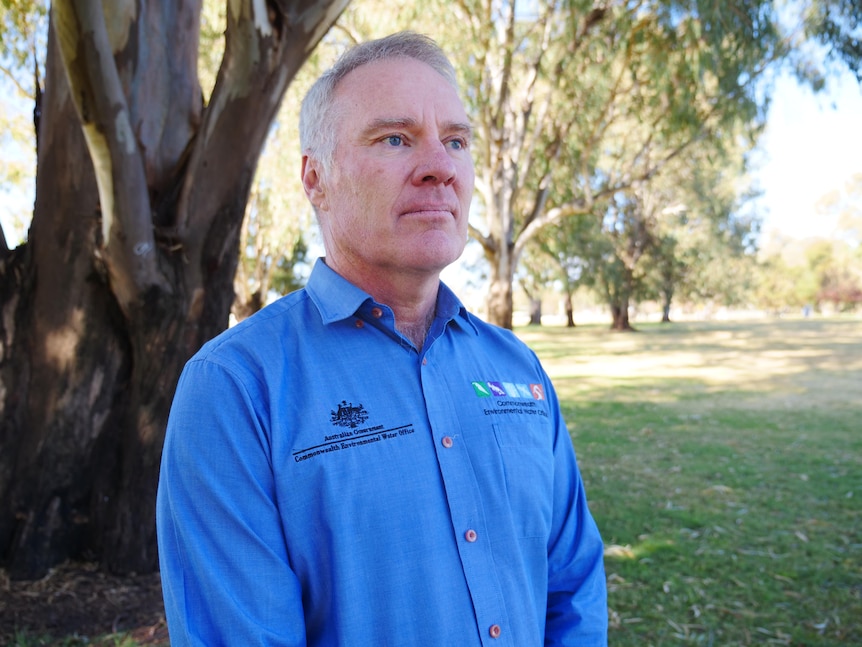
263 330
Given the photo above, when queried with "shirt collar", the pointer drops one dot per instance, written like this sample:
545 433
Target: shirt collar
336 298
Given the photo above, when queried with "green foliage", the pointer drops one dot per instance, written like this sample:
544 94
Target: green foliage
821 272
23 35
836 24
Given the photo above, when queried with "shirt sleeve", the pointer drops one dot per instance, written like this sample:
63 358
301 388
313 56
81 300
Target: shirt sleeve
226 577
577 612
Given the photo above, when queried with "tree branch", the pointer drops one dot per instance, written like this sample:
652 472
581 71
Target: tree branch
265 45
127 232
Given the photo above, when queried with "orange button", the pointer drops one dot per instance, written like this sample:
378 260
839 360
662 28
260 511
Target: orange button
377 312
359 323
494 631
471 535
447 442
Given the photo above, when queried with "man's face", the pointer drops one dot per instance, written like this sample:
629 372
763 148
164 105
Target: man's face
397 195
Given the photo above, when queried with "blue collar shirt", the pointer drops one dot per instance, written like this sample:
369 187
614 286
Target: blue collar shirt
324 483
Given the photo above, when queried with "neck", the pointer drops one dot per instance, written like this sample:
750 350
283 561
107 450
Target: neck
413 298
414 311
415 331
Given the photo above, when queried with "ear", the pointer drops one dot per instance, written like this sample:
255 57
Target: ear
312 182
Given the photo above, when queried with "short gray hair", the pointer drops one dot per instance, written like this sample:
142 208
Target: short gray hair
317 131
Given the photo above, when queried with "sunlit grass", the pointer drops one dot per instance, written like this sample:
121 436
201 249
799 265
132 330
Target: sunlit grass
723 462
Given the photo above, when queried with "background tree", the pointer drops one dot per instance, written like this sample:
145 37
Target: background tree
704 242
577 102
568 245
130 259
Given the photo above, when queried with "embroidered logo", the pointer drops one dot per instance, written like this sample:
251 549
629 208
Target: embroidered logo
348 416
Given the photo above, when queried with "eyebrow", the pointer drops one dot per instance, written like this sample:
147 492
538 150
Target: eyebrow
408 123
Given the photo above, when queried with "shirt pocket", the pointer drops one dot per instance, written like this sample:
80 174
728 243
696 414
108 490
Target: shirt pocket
526 450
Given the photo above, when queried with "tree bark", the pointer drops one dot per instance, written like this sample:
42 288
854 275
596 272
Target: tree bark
130 261
500 305
570 311
620 315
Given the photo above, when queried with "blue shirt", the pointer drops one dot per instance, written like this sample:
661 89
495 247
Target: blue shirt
324 483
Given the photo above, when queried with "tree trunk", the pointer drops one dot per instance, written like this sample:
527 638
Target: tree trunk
620 315
500 305
570 311
500 300
665 308
95 329
535 312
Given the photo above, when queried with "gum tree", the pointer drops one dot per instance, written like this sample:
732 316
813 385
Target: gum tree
130 259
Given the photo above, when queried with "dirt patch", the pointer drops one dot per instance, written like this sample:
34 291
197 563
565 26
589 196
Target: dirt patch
79 601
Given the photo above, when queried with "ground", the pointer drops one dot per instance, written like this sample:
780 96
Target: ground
78 601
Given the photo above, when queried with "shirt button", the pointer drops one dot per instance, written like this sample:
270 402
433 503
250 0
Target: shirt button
359 323
424 361
446 441
377 313
494 631
471 535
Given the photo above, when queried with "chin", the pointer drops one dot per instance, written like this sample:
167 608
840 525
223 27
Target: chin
435 259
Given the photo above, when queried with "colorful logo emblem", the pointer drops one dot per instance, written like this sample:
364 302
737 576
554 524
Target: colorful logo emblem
509 390
481 389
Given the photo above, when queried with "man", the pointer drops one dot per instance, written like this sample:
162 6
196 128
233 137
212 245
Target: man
364 463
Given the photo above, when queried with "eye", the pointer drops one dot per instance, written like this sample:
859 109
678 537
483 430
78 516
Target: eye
394 140
458 143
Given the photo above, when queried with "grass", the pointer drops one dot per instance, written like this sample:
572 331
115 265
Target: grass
27 639
723 462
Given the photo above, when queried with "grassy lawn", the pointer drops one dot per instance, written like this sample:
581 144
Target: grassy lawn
723 462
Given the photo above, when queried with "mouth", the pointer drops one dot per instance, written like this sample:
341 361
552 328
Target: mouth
429 210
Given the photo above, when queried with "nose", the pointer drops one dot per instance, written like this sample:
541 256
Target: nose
436 165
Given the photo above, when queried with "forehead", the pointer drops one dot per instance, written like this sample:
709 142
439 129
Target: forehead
395 88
